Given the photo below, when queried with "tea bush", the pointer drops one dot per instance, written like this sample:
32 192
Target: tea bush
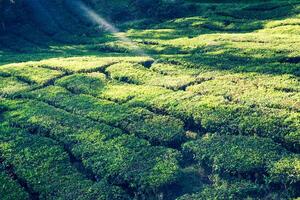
235 189
11 86
286 170
30 74
27 154
235 154
203 103
143 123
10 188
114 159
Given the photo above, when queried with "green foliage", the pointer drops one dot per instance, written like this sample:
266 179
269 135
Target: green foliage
84 117
114 157
139 121
92 83
235 154
131 9
122 161
10 189
137 74
126 92
236 189
285 170
29 73
11 85
33 155
159 8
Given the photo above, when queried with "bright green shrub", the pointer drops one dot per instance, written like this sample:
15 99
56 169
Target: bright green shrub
11 86
84 83
235 154
42 118
156 128
88 63
235 103
77 64
216 114
137 93
285 171
129 72
253 90
33 155
115 159
30 73
137 74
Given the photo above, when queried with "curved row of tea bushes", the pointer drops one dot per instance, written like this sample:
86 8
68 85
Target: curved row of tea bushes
32 155
235 154
11 85
91 83
98 85
245 155
122 159
29 73
254 90
214 113
138 74
158 129
88 63
263 11
10 188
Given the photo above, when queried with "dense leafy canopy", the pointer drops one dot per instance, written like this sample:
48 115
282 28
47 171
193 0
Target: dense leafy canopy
185 99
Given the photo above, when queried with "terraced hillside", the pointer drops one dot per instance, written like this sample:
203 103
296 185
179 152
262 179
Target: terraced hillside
207 108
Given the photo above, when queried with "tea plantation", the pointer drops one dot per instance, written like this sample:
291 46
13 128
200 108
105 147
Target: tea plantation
185 100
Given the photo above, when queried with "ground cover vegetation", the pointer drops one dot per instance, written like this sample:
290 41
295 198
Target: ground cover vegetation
208 107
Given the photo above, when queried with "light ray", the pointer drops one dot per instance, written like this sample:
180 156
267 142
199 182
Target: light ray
104 24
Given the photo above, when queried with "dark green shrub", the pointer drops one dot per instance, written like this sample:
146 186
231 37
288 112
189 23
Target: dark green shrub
158 8
223 190
10 189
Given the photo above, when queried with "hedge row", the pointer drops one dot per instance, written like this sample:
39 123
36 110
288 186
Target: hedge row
270 10
96 84
32 155
217 113
286 170
122 159
254 90
235 154
29 73
88 63
137 74
10 188
91 83
223 190
246 155
11 86
158 129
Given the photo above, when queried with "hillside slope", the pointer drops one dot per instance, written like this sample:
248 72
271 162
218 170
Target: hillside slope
205 105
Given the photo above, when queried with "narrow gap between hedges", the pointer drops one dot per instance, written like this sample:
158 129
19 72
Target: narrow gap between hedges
9 170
